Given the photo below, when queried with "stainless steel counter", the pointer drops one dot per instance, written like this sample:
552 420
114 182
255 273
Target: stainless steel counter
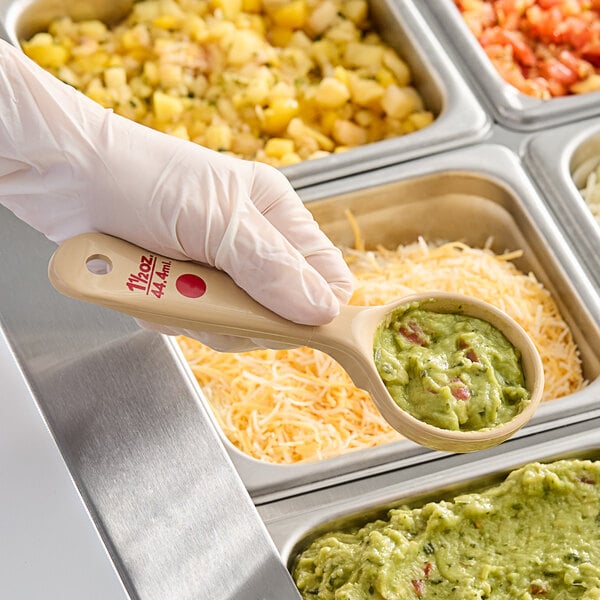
50 547
174 519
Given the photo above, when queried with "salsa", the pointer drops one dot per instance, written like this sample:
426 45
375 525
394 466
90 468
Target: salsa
452 371
544 48
535 535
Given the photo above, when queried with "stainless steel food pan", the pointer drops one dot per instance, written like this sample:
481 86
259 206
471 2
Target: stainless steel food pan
294 522
468 194
560 161
460 119
510 107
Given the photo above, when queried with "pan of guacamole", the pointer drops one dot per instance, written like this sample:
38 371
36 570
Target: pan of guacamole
452 371
535 535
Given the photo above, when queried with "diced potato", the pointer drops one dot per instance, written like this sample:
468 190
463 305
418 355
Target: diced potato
363 55
179 131
325 53
298 130
590 84
322 17
364 117
245 144
277 147
397 66
278 115
218 137
170 75
137 37
166 108
230 74
244 47
399 102
356 10
147 10
343 32
365 92
291 15
332 93
115 78
94 29
348 133
97 92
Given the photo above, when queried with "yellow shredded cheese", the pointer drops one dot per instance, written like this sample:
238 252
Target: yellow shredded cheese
290 406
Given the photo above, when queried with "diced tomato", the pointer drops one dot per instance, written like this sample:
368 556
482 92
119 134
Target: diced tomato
498 36
413 333
591 53
459 390
541 47
427 569
472 356
537 589
418 586
553 69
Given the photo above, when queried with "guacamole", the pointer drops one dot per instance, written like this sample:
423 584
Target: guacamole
536 535
452 371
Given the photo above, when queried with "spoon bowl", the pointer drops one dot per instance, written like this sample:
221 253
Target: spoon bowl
111 272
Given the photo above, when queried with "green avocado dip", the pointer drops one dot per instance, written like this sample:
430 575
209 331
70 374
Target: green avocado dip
535 535
452 371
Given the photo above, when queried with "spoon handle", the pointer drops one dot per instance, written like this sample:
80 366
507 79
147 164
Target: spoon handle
105 270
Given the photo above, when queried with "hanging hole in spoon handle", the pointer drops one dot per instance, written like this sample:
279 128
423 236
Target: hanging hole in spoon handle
111 272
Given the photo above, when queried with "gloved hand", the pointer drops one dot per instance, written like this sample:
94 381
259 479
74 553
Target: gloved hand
69 166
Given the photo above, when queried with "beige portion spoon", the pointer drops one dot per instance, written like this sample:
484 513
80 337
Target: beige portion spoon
111 272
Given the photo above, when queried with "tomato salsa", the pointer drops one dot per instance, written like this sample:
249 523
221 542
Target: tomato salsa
544 48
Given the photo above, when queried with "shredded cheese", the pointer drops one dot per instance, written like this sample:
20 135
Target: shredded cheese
291 406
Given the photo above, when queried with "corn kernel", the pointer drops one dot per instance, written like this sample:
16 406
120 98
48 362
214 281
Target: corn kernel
167 22
420 119
289 159
292 14
230 8
166 108
278 114
277 147
280 36
251 6
49 56
218 137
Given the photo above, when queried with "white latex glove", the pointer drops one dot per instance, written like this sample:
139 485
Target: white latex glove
69 166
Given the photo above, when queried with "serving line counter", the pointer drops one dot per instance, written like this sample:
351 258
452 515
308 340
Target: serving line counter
50 545
169 508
